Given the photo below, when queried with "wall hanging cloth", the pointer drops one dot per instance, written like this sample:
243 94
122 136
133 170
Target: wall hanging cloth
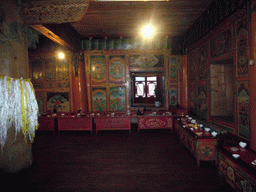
18 108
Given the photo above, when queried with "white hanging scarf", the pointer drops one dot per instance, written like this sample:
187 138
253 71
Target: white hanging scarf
18 107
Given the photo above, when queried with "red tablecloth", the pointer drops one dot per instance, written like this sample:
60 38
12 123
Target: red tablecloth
245 154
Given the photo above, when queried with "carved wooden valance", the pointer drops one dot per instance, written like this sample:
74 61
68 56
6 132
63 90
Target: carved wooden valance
54 11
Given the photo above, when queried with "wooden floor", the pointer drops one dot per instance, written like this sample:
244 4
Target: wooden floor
113 161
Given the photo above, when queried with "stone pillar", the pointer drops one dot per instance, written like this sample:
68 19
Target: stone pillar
16 154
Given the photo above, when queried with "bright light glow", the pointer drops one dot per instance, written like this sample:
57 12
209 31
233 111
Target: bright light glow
148 31
61 55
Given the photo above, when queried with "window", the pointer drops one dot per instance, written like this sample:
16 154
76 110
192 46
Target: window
143 88
222 90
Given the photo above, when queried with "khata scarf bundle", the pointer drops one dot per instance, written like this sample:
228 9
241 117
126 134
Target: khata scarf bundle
18 108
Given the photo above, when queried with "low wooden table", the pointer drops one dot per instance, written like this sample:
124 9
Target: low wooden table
75 123
155 122
202 147
104 122
239 172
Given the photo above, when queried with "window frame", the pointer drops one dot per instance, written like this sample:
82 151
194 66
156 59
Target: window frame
160 84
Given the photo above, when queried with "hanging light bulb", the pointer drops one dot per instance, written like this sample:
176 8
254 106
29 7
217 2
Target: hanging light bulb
148 31
61 55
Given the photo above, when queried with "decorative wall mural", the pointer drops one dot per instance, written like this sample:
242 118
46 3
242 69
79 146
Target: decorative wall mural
243 109
173 96
37 70
192 99
146 61
63 70
242 51
173 67
221 44
117 69
60 101
50 72
192 58
202 102
99 100
202 64
117 99
63 85
98 68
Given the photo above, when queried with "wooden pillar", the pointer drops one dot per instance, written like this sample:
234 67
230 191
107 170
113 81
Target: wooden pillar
79 84
16 154
252 79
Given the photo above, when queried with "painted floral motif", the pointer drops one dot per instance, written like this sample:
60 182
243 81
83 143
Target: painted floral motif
99 102
243 110
145 61
117 69
117 99
242 52
155 123
202 66
206 151
173 67
58 102
247 187
51 69
192 65
98 68
173 97
230 173
37 70
202 103
63 72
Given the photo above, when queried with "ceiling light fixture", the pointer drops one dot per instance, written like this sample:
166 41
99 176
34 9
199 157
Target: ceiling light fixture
61 55
148 31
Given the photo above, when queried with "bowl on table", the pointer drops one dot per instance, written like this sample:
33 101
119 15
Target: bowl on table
214 134
207 129
242 144
235 156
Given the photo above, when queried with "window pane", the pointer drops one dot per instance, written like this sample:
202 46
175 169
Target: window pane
140 90
151 89
140 78
152 78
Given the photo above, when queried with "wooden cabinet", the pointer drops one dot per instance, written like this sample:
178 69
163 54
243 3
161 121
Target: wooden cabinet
202 147
240 173
155 122
75 123
113 123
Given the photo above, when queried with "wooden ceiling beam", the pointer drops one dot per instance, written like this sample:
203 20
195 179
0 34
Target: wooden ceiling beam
62 34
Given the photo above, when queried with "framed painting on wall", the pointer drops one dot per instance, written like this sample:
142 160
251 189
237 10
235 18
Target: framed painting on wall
243 107
173 100
99 99
173 69
58 100
117 99
98 68
146 61
117 69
